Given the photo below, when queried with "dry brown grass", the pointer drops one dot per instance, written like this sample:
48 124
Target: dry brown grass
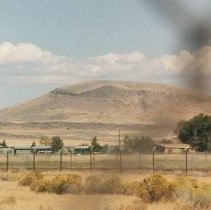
25 199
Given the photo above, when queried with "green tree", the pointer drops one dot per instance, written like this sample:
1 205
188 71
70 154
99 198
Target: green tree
56 143
4 144
33 144
196 132
44 140
96 145
138 144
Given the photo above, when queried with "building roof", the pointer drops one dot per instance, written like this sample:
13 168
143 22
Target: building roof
22 148
82 147
42 147
1 147
175 146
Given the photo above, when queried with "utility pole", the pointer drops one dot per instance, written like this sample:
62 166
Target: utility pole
7 165
153 160
120 154
119 140
60 165
34 166
90 161
186 161
71 161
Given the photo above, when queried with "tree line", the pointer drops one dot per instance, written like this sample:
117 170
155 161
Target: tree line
196 132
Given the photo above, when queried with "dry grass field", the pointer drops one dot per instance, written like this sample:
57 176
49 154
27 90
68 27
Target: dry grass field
22 198
24 133
73 134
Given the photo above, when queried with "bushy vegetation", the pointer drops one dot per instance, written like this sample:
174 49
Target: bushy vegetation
56 143
129 188
100 184
65 184
45 141
40 185
4 144
196 132
60 184
96 146
193 193
138 144
155 188
29 178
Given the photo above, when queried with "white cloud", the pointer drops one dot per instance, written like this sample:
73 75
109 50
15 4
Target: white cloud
24 53
32 65
174 64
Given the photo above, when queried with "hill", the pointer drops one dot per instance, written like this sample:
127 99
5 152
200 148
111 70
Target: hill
112 103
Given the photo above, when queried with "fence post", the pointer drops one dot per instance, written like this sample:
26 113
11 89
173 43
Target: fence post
186 162
120 161
120 154
27 159
60 165
116 156
71 161
153 159
7 163
93 160
49 160
90 162
139 160
34 165
153 162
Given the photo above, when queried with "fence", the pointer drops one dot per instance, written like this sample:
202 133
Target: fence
118 162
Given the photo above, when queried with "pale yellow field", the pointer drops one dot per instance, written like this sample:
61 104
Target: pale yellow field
14 197
24 133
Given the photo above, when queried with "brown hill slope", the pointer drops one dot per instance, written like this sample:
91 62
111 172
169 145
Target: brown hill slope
112 102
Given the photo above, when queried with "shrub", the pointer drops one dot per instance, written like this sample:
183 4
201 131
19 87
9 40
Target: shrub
102 184
142 144
74 183
200 197
129 188
29 178
66 184
56 143
155 188
41 185
191 191
59 185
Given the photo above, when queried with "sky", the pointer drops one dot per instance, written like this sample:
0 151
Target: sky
45 44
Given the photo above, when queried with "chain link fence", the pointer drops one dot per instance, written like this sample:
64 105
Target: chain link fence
119 162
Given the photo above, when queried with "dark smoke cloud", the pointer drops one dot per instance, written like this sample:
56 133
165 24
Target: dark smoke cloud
195 33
